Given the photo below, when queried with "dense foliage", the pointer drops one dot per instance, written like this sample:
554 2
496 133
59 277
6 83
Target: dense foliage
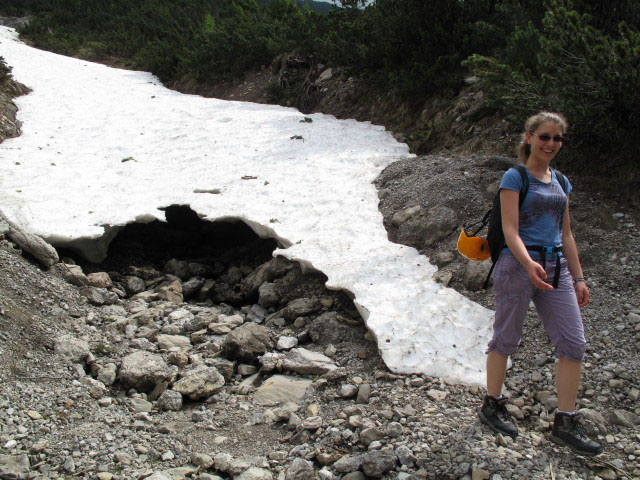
580 57
5 71
587 67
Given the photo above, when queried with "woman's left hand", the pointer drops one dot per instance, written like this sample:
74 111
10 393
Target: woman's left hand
582 291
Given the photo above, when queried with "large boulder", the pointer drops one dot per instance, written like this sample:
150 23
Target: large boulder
144 370
247 342
199 382
72 348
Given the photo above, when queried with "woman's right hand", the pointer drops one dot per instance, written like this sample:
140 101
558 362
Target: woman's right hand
537 275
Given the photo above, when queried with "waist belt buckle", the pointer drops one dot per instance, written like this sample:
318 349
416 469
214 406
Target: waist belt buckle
548 250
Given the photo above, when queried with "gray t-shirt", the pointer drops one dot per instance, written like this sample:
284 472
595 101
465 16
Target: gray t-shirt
542 212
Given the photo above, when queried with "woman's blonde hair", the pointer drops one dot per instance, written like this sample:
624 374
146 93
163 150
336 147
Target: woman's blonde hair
532 123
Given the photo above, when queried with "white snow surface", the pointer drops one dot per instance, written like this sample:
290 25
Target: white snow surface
65 179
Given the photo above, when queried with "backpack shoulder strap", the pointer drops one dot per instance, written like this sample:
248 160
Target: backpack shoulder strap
562 180
525 182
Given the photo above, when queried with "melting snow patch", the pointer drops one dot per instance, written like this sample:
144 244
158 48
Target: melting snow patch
66 177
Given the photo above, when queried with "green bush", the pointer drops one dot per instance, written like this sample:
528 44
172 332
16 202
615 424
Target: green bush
570 66
5 70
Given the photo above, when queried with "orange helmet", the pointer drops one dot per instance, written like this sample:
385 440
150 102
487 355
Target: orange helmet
473 247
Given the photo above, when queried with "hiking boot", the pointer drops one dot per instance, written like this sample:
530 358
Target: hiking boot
568 431
494 414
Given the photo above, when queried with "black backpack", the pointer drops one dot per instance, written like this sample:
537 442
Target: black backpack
495 235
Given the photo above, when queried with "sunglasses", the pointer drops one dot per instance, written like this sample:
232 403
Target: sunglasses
545 137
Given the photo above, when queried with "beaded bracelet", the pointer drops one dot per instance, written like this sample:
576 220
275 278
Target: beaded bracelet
579 279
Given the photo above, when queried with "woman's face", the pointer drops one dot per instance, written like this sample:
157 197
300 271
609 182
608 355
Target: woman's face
545 141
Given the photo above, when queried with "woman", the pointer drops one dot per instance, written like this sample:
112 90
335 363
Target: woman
539 241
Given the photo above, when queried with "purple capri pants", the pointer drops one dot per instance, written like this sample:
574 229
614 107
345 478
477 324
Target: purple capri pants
558 309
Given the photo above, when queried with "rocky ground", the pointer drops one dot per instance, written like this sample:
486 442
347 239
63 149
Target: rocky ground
191 353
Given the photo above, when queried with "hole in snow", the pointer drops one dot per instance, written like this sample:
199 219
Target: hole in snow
213 261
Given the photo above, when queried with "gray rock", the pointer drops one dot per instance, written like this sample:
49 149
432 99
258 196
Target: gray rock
14 467
594 421
99 296
268 295
72 348
405 214
475 273
257 314
204 415
347 390
271 361
364 392
247 342
405 455
300 469
348 463
443 278
312 423
443 259
368 435
240 465
462 469
286 343
301 307
199 382
354 476
224 366
202 460
100 280
267 272
179 358
208 476
325 76
226 293
301 360
255 473
177 268
140 405
330 328
171 291
143 371
191 287
281 389
436 395
160 476
623 418
378 462
426 229
71 273
108 374
246 370
134 285
395 429
170 400
169 341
